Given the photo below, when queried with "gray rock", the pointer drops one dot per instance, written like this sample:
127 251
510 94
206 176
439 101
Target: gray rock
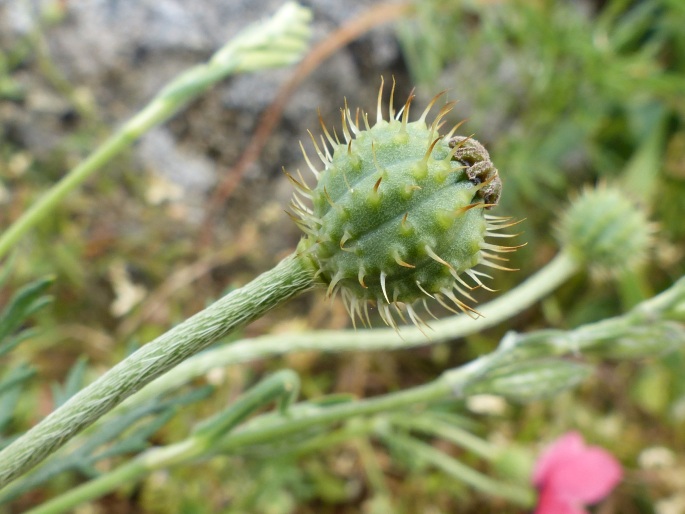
124 52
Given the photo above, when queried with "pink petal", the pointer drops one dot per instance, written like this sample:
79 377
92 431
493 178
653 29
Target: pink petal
560 451
586 477
576 472
549 502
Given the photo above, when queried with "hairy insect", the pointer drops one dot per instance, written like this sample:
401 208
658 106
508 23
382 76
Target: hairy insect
479 168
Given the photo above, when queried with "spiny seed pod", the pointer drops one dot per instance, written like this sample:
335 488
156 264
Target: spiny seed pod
606 230
398 213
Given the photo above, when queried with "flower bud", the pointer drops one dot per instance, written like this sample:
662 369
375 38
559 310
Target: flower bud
398 213
605 230
650 340
531 380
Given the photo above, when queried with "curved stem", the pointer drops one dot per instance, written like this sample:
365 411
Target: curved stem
305 416
290 277
267 428
536 287
422 451
275 427
449 432
155 458
281 385
284 385
264 429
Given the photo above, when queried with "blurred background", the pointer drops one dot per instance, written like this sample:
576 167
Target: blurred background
564 94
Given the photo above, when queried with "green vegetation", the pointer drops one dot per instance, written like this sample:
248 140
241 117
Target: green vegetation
581 108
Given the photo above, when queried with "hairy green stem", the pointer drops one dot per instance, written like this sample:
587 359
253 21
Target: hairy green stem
304 416
266 428
125 473
290 277
448 432
275 427
452 383
282 384
539 285
276 42
357 428
665 311
507 305
422 451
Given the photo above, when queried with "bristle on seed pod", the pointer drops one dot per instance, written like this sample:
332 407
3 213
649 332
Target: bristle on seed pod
398 214
606 230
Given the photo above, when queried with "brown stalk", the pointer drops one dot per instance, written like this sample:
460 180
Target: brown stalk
353 29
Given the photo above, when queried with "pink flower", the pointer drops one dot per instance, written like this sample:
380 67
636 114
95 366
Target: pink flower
570 474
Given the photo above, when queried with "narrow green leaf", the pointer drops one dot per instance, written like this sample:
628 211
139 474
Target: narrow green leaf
27 301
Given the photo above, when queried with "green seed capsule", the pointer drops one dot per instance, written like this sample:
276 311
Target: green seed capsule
397 214
604 229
